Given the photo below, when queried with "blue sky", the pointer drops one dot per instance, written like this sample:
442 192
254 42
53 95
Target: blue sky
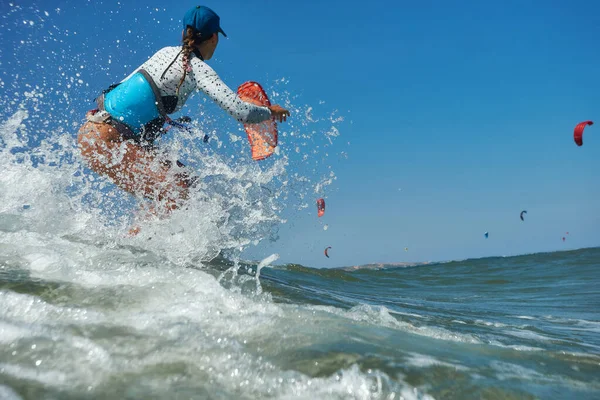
467 107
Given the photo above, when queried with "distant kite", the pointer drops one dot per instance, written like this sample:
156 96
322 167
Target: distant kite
564 239
578 133
523 212
326 251
406 249
320 207
486 235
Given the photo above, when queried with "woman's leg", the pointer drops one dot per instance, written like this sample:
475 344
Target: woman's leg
131 167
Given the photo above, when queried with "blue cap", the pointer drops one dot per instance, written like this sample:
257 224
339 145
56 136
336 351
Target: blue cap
203 20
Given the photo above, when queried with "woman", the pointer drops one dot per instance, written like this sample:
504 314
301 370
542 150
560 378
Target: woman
117 139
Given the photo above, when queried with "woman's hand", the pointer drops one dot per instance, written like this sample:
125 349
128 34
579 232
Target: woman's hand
279 113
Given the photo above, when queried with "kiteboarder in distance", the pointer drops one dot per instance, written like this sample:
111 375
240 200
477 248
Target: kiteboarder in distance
521 215
117 140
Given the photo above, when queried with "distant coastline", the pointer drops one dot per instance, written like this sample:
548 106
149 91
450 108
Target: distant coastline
377 266
380 266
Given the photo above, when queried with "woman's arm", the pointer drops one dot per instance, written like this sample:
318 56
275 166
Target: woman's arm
209 82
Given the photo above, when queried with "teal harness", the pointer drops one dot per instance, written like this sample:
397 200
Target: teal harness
134 102
137 109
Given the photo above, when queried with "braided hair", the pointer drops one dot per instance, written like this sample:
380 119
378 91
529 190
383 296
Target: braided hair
190 41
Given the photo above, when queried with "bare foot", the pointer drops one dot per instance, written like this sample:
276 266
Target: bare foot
134 231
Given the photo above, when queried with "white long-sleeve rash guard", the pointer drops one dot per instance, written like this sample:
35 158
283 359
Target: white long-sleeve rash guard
201 77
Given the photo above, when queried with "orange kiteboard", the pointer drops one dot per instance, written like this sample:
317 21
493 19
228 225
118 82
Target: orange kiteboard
262 136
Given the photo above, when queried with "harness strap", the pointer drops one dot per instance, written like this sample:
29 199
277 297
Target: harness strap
169 66
196 53
100 116
156 91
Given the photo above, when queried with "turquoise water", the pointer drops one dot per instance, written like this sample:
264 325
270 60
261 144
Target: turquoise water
123 325
526 326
